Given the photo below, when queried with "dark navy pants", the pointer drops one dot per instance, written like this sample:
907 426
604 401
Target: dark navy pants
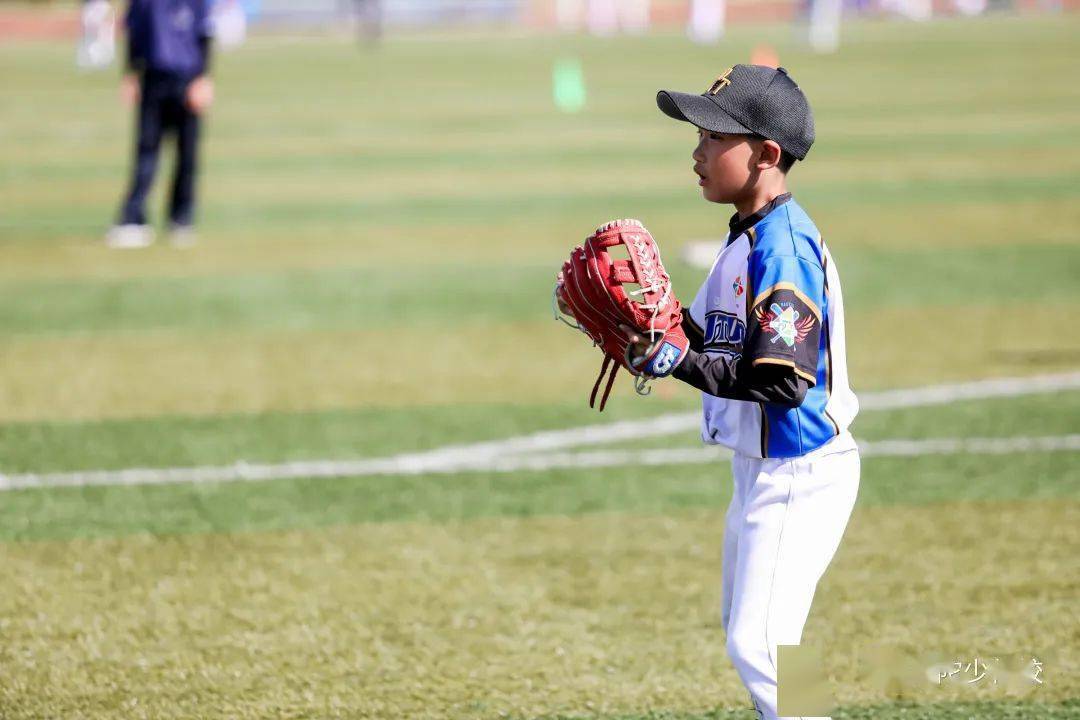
162 109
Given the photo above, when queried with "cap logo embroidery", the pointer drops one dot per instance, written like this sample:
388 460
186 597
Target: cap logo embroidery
721 82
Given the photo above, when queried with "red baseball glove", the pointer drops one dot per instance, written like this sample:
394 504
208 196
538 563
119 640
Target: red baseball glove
591 289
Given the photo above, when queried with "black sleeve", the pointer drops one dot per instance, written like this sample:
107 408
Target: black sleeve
727 377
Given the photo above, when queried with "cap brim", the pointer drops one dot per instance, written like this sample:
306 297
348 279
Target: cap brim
699 110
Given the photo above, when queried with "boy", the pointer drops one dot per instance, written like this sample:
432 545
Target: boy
168 55
766 337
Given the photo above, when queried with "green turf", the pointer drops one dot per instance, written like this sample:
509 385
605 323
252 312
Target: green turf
600 614
371 279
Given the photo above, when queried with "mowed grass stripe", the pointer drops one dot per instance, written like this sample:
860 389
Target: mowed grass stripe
377 432
583 143
117 375
662 168
242 160
372 136
446 294
602 615
78 255
243 507
581 201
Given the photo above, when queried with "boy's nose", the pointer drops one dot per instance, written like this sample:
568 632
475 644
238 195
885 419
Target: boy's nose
698 155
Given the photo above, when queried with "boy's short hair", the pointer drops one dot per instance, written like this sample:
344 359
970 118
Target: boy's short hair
787 160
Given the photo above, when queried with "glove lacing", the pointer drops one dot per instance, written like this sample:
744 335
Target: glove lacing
641 381
611 381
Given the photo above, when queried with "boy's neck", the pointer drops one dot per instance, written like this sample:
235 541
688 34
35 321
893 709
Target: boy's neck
760 196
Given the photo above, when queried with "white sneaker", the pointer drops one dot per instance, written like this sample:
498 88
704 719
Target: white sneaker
181 236
123 237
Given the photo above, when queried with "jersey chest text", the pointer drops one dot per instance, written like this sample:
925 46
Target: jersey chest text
724 303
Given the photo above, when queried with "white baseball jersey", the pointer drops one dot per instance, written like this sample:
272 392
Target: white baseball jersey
779 275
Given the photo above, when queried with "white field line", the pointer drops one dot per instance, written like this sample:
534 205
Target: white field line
515 463
675 423
513 454
978 390
703 455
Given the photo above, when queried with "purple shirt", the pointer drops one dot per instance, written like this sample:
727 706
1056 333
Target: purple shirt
168 35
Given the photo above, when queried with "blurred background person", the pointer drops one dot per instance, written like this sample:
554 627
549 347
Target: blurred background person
824 23
166 76
369 16
568 14
228 20
706 20
97 40
607 17
634 16
366 15
602 17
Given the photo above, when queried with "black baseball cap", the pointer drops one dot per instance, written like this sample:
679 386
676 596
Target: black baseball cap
748 100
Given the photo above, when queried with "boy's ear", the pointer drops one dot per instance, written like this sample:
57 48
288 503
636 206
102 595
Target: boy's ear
769 155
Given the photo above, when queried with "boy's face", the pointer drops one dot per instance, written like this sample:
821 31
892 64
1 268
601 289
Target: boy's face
726 165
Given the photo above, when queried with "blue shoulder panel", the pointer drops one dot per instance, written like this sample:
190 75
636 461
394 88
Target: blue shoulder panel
787 325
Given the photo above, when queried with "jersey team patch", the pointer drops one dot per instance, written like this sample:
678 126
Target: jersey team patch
784 329
784 322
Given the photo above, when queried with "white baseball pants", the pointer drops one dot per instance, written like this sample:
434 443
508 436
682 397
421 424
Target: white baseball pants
783 527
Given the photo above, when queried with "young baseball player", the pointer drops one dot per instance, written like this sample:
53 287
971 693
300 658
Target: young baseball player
766 334
168 55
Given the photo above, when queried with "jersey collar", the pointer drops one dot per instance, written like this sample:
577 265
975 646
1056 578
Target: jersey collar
737 227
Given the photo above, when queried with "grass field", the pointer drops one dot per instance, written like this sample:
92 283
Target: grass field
379 232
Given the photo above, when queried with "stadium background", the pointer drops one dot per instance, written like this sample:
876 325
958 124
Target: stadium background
379 230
